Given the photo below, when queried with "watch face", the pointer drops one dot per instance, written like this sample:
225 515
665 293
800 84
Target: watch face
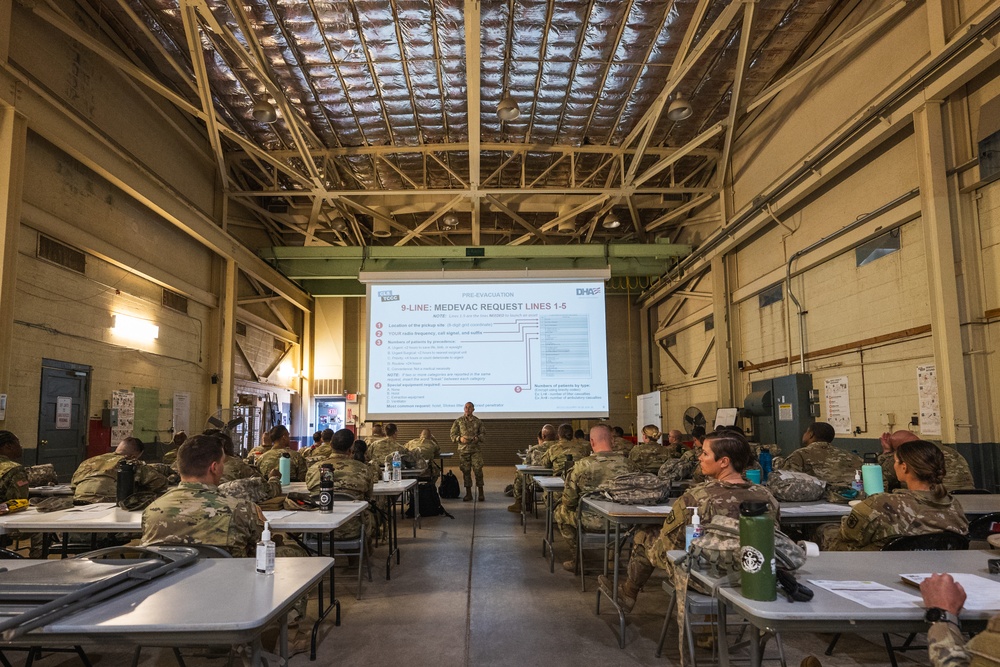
934 614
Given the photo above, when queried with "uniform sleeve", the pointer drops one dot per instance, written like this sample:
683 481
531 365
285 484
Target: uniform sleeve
856 529
14 484
151 480
889 480
274 488
299 474
571 493
946 646
794 462
481 434
246 529
672 535
312 477
456 432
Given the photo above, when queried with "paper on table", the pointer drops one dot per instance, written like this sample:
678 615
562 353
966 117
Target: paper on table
982 594
280 514
655 509
818 508
871 594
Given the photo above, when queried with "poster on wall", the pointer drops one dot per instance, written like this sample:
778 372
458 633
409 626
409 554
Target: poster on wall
927 399
182 410
838 404
64 412
123 401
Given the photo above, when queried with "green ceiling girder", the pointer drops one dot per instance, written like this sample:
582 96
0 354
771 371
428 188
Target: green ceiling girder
333 271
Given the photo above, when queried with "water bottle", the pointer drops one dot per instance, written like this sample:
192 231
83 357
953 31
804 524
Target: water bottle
766 460
265 552
124 480
326 488
397 468
757 569
693 529
285 467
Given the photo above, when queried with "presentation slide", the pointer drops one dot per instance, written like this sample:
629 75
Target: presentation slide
516 350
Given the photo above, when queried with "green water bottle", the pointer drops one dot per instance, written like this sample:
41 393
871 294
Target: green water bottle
757 572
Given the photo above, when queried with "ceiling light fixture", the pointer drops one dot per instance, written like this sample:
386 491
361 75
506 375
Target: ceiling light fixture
339 224
134 328
566 227
611 221
450 221
508 109
264 112
679 109
380 228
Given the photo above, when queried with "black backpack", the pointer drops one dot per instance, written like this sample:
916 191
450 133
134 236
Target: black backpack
449 485
430 502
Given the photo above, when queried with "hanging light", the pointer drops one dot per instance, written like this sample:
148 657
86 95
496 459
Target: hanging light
508 109
339 224
679 109
450 221
264 112
380 227
611 221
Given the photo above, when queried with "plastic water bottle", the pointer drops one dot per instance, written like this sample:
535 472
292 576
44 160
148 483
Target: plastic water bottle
265 551
397 468
758 579
285 467
326 488
766 460
693 529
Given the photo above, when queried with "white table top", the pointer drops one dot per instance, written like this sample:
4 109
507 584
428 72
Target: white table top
393 488
550 483
821 511
105 517
628 513
976 504
534 470
56 490
176 602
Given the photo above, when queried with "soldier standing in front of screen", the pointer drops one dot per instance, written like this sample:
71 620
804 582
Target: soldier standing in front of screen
469 433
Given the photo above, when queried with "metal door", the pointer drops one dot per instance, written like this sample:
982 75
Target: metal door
62 416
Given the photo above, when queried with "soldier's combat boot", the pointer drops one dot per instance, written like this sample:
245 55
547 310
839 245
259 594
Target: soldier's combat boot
468 494
516 507
570 565
482 496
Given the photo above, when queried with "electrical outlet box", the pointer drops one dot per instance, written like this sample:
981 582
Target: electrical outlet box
914 420
889 418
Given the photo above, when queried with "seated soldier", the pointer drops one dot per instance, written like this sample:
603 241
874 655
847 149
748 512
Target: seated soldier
96 480
589 474
724 457
281 444
620 444
557 456
195 513
957 473
324 448
675 443
546 438
924 506
233 467
317 440
650 455
349 476
170 455
428 449
253 456
13 478
380 451
819 458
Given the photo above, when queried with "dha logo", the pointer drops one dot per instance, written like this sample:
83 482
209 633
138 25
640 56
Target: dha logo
387 295
587 291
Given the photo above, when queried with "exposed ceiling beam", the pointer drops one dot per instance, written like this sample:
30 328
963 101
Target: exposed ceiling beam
736 97
429 221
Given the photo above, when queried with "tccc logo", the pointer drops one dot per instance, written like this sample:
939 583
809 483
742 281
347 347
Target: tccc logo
387 295
587 291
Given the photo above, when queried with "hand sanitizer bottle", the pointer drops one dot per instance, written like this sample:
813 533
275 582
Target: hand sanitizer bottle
858 485
693 529
265 551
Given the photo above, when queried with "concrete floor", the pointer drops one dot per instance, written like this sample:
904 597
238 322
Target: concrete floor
475 590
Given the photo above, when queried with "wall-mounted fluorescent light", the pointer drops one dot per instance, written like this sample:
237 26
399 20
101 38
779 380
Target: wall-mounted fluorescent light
134 328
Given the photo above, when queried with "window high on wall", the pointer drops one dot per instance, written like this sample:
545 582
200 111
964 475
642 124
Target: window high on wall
771 295
878 247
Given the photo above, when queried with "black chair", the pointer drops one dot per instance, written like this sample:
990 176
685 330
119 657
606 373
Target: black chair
970 492
983 526
943 541
353 547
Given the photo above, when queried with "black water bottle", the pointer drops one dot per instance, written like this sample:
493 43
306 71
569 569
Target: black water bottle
125 480
326 488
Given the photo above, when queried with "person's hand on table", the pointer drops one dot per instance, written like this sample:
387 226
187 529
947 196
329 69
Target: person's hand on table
943 592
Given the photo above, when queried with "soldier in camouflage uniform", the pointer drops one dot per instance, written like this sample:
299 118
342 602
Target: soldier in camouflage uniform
957 473
324 448
195 513
469 433
619 443
819 458
234 468
650 455
557 456
380 452
946 645
533 457
588 475
428 449
96 480
170 456
13 478
349 476
725 455
280 445
923 507
253 456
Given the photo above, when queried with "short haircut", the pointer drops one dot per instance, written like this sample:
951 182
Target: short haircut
548 433
135 444
327 434
8 438
318 437
359 448
600 434
342 440
198 453
227 442
726 443
618 431
698 432
565 431
390 429
822 431
277 433
579 434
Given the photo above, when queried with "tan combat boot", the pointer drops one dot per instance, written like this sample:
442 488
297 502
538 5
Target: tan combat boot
516 507
482 496
468 494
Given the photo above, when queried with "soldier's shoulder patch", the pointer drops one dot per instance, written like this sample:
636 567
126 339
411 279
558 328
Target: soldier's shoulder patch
669 518
852 521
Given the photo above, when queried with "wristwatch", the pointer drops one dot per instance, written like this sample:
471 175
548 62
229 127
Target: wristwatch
938 615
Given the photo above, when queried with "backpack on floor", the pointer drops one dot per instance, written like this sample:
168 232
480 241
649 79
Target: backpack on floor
430 502
449 485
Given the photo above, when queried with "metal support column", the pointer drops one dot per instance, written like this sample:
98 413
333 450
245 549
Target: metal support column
227 337
723 354
943 287
13 141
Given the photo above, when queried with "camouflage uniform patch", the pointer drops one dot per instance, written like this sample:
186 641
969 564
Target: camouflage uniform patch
13 480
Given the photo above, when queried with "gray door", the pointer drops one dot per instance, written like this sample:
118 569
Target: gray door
62 416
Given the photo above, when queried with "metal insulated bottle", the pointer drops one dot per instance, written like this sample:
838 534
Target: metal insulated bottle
326 488
766 461
757 571
285 468
124 480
